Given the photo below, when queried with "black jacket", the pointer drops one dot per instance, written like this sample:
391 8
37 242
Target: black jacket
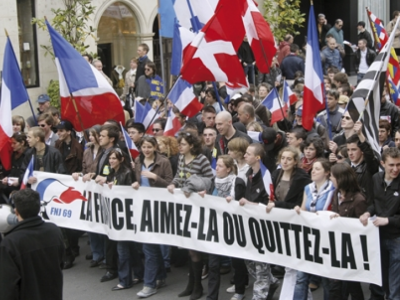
365 170
255 190
370 57
298 181
52 161
31 256
124 176
390 111
386 204
367 36
221 143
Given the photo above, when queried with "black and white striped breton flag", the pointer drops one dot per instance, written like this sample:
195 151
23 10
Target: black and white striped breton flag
371 87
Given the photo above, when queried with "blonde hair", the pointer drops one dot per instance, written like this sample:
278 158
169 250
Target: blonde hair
294 151
229 163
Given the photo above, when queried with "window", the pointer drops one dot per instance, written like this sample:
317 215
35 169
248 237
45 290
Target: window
27 43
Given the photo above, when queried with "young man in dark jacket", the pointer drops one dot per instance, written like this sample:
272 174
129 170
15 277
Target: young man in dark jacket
362 160
386 212
72 155
31 254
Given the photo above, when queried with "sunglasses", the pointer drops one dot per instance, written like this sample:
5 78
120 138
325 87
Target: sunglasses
156 129
346 117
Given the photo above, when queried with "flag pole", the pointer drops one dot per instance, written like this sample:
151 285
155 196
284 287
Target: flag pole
154 116
372 27
79 116
161 55
126 143
29 100
269 71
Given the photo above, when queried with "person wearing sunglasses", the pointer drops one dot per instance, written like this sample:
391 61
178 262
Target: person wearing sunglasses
158 127
340 139
143 83
46 122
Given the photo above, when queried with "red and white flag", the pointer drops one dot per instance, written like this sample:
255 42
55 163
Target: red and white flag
259 35
212 55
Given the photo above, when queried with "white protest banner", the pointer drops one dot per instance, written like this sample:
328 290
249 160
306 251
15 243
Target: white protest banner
341 248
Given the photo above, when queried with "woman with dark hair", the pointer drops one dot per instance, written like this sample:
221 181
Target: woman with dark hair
289 182
317 196
193 175
120 174
348 201
211 99
19 145
312 148
143 84
168 147
152 170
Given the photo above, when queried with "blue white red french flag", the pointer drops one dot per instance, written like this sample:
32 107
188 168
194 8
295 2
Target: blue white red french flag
172 125
314 99
267 179
95 98
28 173
13 94
275 106
130 144
288 96
183 97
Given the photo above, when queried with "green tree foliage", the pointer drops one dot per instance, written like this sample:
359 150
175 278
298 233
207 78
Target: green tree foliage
71 22
284 17
53 91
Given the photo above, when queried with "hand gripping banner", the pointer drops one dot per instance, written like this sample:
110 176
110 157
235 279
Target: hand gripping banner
339 248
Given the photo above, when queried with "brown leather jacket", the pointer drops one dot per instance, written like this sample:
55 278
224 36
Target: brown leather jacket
161 167
353 206
73 162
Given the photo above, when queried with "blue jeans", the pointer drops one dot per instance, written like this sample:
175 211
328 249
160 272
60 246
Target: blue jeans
154 268
390 259
249 72
128 258
97 245
301 288
165 252
360 76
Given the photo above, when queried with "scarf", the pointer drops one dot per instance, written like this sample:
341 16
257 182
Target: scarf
316 194
225 186
306 165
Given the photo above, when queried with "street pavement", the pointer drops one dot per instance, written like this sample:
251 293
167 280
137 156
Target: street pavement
83 283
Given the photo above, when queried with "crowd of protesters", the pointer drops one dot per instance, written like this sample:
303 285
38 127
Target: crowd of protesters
310 171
